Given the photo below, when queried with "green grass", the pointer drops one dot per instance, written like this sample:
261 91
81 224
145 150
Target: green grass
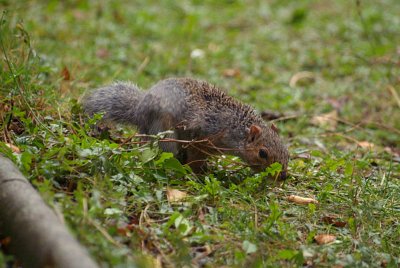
112 191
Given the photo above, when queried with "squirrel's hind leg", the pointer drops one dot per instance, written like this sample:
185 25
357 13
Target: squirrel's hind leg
160 124
196 159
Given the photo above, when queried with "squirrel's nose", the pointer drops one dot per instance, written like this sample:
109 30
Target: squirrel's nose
283 175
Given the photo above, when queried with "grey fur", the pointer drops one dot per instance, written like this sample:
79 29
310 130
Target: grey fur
194 110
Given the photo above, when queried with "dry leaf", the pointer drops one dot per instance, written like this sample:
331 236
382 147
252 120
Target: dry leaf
302 200
323 239
174 195
303 156
395 152
333 220
365 144
327 121
201 215
231 72
13 148
303 77
66 75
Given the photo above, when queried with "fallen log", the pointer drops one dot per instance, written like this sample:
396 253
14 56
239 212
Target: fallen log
38 238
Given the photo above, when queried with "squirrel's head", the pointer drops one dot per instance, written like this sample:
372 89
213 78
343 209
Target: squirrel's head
264 147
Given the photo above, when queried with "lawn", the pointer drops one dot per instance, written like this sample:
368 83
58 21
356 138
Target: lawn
329 71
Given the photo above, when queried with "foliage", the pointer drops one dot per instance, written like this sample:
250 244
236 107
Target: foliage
304 59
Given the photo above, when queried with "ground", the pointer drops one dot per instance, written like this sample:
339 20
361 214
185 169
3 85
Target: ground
329 70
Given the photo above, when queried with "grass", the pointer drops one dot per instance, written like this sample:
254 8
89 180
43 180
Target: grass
113 192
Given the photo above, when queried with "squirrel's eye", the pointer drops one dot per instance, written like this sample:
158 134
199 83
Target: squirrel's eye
263 154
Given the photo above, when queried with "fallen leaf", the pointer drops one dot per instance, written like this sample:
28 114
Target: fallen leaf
395 152
66 75
201 215
327 121
302 200
124 231
13 148
365 144
323 239
174 195
231 72
333 220
303 156
302 78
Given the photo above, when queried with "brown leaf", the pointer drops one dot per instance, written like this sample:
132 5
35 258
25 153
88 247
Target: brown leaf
124 231
327 121
395 152
174 195
201 215
303 156
365 144
231 73
323 239
332 219
302 78
66 75
13 148
302 200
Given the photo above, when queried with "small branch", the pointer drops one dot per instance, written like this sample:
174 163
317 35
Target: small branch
395 95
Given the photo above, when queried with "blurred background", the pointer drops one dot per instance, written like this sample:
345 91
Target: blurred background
326 72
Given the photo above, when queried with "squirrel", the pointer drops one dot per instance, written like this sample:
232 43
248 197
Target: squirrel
195 111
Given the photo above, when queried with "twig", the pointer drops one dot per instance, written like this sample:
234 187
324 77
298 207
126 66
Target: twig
104 233
394 93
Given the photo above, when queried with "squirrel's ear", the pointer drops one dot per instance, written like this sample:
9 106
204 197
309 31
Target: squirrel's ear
253 133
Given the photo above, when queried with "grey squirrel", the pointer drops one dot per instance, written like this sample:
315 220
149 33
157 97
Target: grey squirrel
195 110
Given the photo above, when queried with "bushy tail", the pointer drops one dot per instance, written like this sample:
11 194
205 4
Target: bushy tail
118 101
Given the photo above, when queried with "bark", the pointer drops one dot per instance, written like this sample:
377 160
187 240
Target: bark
38 238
